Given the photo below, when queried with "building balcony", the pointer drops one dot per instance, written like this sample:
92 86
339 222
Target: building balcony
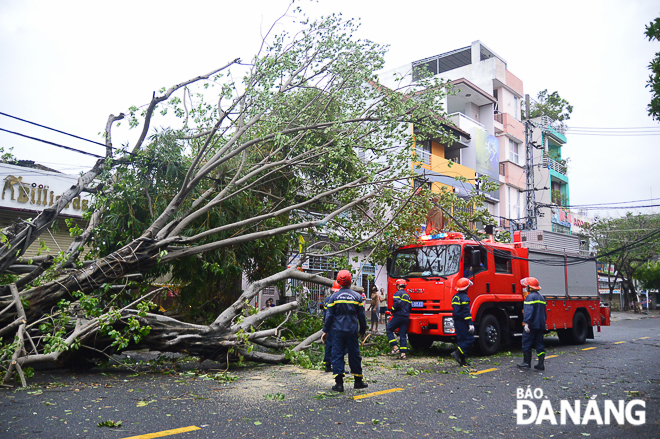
555 129
510 126
423 156
498 123
513 174
554 165
463 121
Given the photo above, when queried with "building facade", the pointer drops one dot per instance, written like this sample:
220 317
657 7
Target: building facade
485 107
30 188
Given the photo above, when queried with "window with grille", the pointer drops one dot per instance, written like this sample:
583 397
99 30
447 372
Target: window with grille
419 182
368 278
423 149
321 263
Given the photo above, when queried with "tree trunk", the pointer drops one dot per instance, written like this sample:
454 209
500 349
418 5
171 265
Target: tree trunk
136 257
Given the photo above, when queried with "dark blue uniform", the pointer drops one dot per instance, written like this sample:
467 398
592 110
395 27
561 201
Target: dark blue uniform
401 305
535 316
327 357
345 311
460 305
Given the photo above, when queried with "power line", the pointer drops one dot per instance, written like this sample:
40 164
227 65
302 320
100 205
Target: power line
615 134
612 128
52 143
618 202
606 207
52 129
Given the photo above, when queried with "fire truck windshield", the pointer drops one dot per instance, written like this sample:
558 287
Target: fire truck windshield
431 261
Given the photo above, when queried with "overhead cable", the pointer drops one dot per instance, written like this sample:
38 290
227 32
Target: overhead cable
54 144
52 129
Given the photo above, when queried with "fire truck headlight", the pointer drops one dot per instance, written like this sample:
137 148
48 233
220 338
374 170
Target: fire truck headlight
448 325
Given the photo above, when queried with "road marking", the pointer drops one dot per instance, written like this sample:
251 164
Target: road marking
552 356
588 349
644 338
483 371
619 342
166 432
382 392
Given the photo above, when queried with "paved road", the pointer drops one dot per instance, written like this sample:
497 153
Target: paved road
437 398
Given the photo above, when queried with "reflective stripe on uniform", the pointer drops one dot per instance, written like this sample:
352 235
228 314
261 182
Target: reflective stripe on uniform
468 318
351 302
462 303
405 300
534 301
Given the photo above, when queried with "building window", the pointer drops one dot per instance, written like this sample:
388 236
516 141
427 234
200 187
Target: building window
419 182
368 277
515 107
513 152
514 203
321 263
424 151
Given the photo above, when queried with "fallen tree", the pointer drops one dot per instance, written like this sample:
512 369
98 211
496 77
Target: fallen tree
305 145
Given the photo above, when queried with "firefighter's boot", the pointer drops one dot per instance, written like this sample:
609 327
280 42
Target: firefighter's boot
464 361
456 355
541 364
359 383
328 367
339 384
527 361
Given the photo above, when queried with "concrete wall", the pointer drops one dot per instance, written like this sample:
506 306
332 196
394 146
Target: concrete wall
514 83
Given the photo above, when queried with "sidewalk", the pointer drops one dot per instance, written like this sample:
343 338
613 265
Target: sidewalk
631 315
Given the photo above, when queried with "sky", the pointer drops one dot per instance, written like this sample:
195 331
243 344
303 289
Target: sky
69 64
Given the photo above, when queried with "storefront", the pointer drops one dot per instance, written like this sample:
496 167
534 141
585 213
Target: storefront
28 190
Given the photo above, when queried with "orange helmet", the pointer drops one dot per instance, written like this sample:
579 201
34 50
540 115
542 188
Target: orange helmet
335 287
401 283
463 284
530 282
344 278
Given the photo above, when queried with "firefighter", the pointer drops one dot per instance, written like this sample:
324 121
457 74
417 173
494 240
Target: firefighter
327 358
345 313
534 321
460 304
401 305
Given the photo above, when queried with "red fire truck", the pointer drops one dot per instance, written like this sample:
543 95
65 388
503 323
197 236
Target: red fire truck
432 267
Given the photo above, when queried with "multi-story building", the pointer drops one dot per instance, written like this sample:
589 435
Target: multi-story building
551 176
485 111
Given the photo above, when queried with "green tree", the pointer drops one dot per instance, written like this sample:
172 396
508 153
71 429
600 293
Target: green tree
551 105
627 243
649 275
653 33
242 170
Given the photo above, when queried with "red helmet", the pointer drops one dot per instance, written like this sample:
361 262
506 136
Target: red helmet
344 278
530 282
463 284
335 287
401 283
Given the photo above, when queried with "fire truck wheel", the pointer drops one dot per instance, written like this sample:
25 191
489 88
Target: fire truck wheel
420 342
565 336
580 328
490 335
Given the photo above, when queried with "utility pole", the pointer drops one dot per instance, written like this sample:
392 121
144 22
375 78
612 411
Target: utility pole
530 224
